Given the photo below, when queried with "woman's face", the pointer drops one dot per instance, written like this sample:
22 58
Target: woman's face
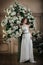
25 21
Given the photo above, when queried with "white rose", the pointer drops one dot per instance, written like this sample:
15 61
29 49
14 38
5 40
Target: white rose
13 13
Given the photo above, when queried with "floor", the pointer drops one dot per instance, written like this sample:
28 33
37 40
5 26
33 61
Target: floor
12 59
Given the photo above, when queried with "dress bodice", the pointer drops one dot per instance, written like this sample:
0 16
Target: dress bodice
25 29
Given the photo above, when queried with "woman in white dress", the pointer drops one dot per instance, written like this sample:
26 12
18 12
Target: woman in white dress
26 43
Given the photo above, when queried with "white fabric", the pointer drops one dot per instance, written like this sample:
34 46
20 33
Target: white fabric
26 46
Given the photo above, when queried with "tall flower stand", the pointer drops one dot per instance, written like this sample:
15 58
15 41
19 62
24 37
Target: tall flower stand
19 46
11 45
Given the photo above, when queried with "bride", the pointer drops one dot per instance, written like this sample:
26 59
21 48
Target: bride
26 43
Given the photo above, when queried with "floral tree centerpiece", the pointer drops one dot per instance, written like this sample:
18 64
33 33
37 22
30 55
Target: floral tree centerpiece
15 13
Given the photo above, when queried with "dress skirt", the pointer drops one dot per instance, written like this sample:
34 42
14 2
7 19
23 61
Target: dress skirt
26 48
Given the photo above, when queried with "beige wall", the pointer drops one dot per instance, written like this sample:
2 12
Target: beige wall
36 8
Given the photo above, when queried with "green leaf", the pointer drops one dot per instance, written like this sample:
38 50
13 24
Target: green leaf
15 21
22 14
8 25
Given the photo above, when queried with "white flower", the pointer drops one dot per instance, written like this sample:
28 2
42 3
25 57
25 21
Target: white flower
32 16
9 31
4 22
11 21
4 31
3 35
13 35
30 20
17 34
20 31
23 11
13 13
11 24
18 22
7 17
15 27
20 18
15 18
28 14
29 10
8 11
28 17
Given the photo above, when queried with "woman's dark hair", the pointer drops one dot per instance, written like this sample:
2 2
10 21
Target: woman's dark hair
24 19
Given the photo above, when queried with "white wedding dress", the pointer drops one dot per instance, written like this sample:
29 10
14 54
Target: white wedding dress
26 45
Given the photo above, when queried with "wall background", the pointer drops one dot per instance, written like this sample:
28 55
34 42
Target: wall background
37 10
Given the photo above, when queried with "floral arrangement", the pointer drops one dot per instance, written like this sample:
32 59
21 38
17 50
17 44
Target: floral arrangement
15 13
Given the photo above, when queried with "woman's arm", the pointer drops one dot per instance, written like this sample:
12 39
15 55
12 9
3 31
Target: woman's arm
30 31
21 27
